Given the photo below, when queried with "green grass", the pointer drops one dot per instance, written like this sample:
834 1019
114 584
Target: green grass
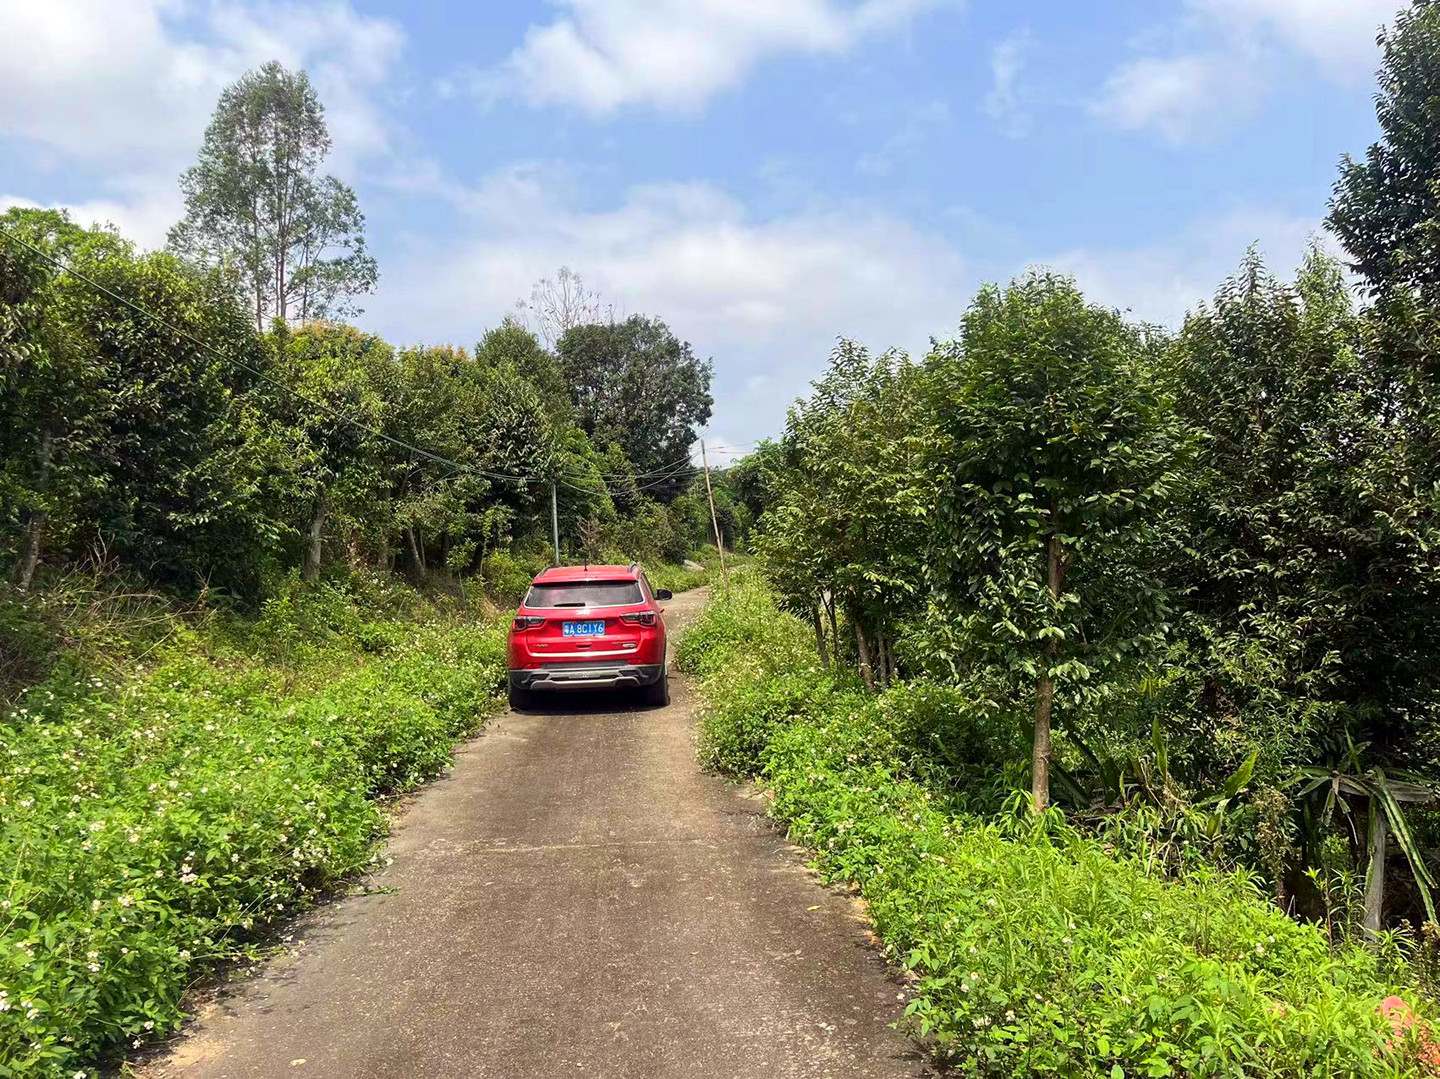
679 578
1036 950
157 820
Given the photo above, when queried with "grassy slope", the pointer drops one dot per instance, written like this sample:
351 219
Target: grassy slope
155 820
1037 952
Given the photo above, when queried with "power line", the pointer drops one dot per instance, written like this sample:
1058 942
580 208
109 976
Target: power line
660 470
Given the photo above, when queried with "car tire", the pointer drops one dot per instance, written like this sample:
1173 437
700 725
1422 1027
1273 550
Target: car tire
657 694
521 699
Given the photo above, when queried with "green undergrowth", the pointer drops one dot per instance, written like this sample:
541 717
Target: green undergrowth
158 816
1036 950
681 578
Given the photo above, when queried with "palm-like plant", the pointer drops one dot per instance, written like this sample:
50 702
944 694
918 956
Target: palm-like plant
1385 791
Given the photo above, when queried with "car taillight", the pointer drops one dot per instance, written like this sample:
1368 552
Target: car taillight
644 618
525 621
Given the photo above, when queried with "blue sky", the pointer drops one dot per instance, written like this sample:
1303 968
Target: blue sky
766 175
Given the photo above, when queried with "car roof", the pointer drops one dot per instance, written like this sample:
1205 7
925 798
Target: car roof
559 574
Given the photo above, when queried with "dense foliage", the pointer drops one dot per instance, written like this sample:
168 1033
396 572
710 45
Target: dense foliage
1209 559
204 456
157 816
1203 555
1037 951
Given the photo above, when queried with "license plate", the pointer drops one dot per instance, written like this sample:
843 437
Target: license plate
583 629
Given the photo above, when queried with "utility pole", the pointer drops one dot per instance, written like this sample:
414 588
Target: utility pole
555 522
719 541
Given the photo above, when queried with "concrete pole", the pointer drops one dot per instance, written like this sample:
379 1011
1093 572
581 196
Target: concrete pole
709 494
555 522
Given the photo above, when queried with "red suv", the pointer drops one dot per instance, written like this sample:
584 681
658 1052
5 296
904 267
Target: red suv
589 627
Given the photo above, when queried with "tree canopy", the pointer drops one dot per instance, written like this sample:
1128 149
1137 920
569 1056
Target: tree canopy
256 205
636 384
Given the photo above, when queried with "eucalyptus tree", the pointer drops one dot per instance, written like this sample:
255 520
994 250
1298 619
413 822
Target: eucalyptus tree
1049 449
256 204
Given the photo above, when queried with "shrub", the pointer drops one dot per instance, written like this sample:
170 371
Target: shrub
744 623
158 822
1037 951
508 574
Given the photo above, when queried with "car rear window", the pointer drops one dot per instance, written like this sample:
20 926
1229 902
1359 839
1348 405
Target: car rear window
584 594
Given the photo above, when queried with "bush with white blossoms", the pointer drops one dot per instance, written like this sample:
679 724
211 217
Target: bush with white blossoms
157 822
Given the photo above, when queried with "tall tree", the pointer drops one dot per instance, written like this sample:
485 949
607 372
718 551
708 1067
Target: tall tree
845 530
256 204
53 405
636 384
330 464
1386 209
1053 447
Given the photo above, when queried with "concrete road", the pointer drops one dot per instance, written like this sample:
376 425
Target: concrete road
575 898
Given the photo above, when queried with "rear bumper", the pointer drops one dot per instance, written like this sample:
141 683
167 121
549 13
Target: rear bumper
600 675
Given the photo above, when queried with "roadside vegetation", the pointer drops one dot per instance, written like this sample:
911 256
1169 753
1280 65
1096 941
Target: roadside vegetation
1102 658
258 562
1038 948
161 811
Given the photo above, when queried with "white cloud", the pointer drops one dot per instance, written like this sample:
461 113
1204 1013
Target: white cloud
1160 282
1230 53
124 83
601 55
1181 97
142 209
125 90
1004 102
1339 34
765 298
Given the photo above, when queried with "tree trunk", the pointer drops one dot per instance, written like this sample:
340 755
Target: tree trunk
35 531
1040 753
1045 685
382 557
834 629
417 560
864 651
317 529
819 636
1375 876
